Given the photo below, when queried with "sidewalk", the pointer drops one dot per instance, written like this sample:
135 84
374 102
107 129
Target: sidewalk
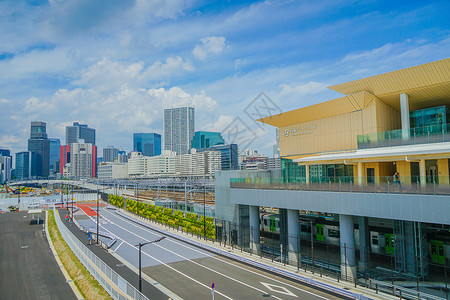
324 282
118 266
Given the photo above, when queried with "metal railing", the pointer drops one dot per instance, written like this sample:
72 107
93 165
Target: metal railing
112 282
427 185
400 137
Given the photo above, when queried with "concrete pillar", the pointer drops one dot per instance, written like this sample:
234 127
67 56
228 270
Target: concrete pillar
253 214
360 174
404 111
423 173
307 173
364 243
293 236
347 239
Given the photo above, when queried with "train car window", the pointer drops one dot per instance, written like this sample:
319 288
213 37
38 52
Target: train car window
433 249
441 250
333 233
375 241
306 228
265 222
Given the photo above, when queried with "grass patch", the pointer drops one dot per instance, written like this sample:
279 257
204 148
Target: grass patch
86 283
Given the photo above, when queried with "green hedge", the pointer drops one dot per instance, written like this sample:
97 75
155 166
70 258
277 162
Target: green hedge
116 200
192 222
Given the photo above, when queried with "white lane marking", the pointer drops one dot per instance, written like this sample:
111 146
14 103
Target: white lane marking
278 289
196 263
118 247
166 265
229 263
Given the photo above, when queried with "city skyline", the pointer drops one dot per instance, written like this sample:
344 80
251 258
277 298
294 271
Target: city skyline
118 71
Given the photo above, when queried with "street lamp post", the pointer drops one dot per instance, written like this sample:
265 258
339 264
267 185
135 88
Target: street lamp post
140 245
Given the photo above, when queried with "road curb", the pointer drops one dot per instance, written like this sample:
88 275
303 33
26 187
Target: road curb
69 280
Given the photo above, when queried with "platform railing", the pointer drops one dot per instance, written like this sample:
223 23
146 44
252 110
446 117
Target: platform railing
112 282
426 185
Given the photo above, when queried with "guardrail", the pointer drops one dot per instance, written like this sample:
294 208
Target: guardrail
113 283
399 291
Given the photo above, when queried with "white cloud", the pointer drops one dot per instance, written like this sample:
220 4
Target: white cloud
173 66
300 90
210 45
220 124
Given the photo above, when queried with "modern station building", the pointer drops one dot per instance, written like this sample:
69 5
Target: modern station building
367 172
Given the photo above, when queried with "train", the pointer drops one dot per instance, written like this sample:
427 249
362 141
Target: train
381 238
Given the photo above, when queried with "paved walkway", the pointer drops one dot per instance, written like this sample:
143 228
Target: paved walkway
28 269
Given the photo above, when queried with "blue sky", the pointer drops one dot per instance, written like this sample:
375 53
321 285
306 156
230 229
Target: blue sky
116 65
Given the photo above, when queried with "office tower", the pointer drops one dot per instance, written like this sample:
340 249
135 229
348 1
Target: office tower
6 152
206 139
149 144
83 160
178 129
55 145
39 143
64 157
110 154
5 168
229 156
28 165
78 132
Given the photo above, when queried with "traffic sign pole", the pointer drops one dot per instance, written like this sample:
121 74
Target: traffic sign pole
213 289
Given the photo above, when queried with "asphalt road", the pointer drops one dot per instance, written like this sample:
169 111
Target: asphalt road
188 271
28 269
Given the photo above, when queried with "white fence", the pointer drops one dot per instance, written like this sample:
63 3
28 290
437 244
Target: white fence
114 284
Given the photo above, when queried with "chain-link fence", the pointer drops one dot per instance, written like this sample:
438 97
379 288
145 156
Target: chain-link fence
113 283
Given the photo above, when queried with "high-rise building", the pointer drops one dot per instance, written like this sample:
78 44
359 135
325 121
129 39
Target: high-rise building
83 160
78 132
110 154
178 129
198 163
206 139
39 143
5 168
64 157
28 165
6 152
149 144
229 156
55 145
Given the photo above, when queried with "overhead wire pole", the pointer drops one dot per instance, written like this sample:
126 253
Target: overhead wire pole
204 214
98 212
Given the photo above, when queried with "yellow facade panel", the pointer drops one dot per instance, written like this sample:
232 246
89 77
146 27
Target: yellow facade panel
433 73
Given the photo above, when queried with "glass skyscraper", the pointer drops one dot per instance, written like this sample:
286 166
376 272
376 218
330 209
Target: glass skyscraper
178 129
39 143
55 145
28 165
149 144
206 139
